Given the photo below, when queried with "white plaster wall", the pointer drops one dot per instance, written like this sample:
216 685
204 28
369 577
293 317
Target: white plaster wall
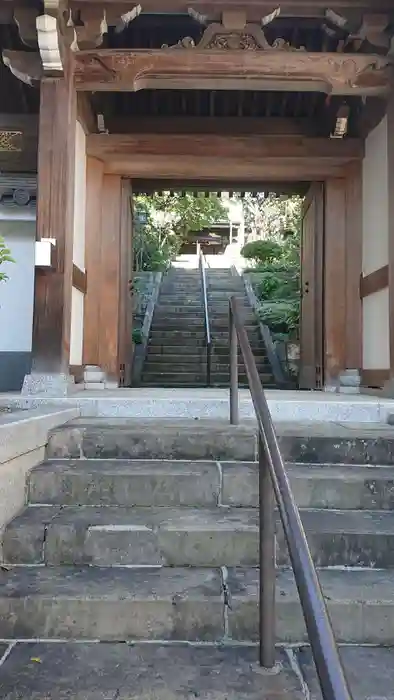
76 335
376 345
17 294
77 299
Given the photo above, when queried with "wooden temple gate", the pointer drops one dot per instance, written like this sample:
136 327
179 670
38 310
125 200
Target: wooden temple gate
205 95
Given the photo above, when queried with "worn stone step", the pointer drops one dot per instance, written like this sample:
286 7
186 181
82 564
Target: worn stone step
198 483
104 438
172 377
360 603
108 536
146 671
343 487
151 438
185 604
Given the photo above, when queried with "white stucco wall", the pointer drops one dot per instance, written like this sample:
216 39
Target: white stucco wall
376 347
17 294
77 302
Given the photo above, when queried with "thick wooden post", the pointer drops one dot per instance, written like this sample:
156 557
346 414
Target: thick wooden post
107 329
55 202
354 224
335 281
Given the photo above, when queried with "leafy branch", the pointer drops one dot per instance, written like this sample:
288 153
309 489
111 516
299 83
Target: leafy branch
5 256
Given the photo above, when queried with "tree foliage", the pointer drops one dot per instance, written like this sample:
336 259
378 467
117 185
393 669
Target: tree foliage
162 222
275 256
5 256
264 251
268 215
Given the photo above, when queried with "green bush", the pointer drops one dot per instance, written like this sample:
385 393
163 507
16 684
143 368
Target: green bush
263 251
137 336
282 317
5 256
278 285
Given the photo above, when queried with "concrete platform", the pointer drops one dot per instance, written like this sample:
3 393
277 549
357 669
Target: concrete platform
214 403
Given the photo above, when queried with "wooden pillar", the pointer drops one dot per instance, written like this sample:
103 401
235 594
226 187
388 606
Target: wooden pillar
390 204
55 201
107 329
353 267
126 274
335 290
94 189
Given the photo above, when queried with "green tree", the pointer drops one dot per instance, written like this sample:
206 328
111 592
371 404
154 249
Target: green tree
162 222
5 256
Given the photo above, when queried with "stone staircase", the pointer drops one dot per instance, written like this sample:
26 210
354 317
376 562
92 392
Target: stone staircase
176 354
138 531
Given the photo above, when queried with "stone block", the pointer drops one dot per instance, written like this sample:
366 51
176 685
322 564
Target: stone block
115 604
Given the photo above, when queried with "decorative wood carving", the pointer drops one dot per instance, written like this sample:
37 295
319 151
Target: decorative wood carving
90 33
49 39
373 28
275 69
10 141
229 37
26 66
25 20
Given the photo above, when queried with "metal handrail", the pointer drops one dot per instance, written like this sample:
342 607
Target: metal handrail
273 481
207 324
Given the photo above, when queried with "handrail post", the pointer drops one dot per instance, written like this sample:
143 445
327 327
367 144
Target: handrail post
266 562
233 340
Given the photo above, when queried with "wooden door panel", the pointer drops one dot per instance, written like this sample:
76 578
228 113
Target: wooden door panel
311 328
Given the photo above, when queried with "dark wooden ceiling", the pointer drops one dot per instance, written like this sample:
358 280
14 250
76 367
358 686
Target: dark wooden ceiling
152 31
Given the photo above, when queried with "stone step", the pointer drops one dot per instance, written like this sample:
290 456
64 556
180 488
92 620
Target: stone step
136 438
198 483
121 604
189 363
172 378
114 536
117 438
221 353
113 671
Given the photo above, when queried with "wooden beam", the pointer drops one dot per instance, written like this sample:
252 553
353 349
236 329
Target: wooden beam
269 69
55 210
110 146
213 157
374 282
210 125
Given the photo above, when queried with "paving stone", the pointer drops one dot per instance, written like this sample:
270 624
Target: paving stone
369 672
125 483
315 486
112 671
360 604
111 604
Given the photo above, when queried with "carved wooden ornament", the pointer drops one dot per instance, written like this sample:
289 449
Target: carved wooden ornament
273 69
